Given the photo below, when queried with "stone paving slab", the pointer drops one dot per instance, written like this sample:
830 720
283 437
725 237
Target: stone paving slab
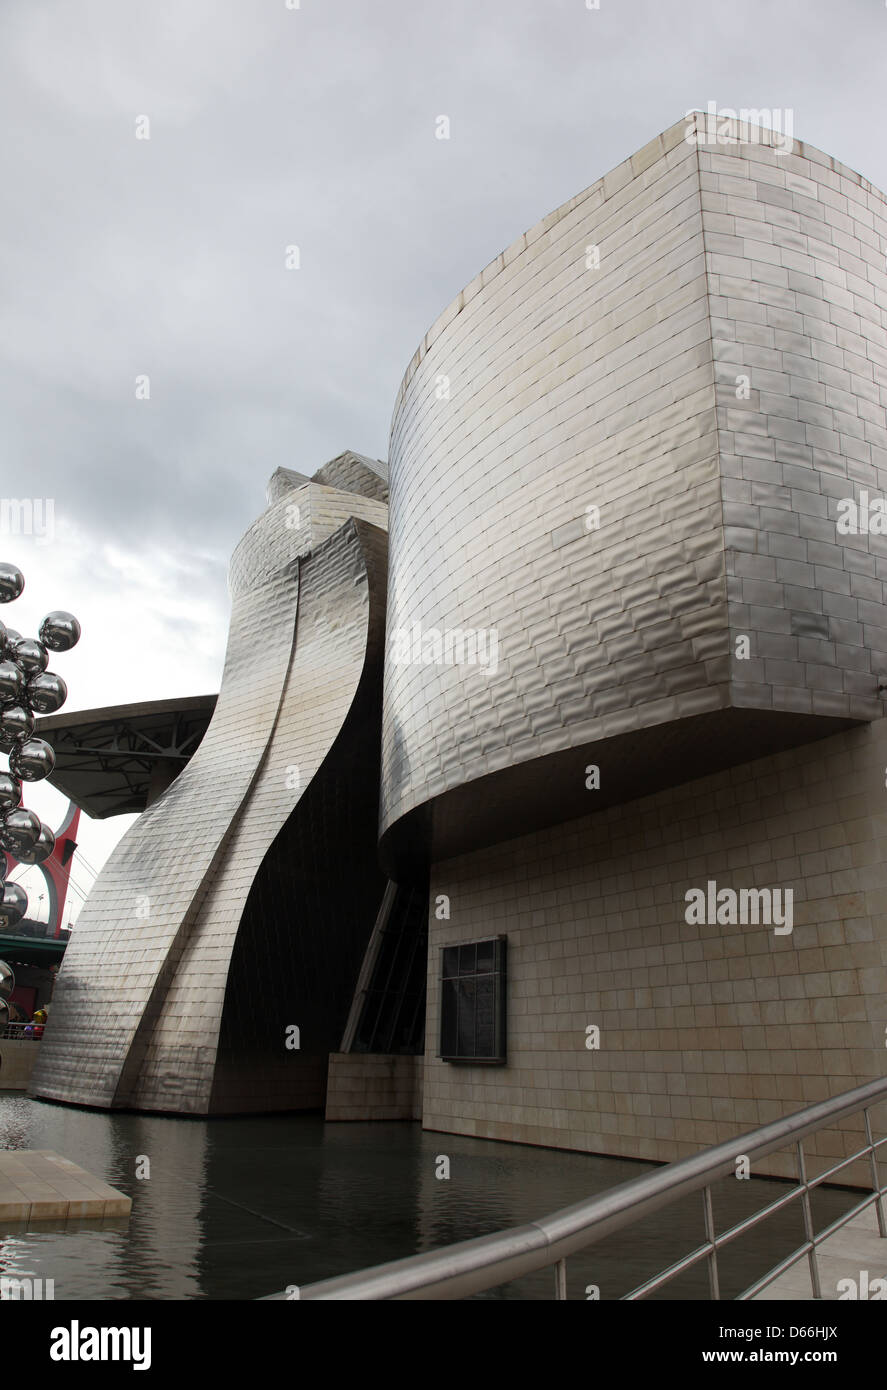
855 1249
42 1185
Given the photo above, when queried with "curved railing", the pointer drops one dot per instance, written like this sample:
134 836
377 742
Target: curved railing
457 1271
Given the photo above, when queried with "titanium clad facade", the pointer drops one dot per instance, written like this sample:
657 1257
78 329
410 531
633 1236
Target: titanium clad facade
798 303
148 977
620 450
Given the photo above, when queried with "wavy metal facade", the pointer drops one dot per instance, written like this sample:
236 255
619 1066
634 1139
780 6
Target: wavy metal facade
621 449
238 906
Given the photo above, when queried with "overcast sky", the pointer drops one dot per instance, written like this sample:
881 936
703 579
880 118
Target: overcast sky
311 126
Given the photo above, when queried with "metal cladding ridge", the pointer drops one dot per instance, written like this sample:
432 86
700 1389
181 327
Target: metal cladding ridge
138 1005
621 449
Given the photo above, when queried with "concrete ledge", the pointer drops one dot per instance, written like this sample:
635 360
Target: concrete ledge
41 1185
850 1262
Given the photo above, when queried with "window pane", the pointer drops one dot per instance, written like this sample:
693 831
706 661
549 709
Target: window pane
467 959
449 1003
485 1042
473 1001
466 1017
486 955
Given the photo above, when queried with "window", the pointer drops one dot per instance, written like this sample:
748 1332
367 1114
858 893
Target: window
472 1005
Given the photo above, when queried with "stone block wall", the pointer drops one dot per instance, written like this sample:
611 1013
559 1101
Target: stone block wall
366 1086
706 1031
17 1062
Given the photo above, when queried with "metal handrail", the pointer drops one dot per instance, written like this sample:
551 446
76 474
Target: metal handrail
472 1266
14 1032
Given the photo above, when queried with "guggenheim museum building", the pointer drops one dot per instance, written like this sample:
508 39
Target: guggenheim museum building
544 795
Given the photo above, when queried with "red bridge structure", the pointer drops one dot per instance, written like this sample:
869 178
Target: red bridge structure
56 870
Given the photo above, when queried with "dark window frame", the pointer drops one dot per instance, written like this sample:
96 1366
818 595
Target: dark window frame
471 974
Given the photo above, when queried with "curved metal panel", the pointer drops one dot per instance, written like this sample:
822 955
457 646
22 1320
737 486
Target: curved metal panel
133 1024
621 448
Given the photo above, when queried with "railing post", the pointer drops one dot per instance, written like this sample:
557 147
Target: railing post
714 1287
876 1179
808 1222
524 1250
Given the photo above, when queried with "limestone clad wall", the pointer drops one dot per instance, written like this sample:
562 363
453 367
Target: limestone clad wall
370 1086
18 1057
706 1031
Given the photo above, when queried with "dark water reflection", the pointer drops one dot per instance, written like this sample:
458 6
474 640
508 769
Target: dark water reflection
235 1209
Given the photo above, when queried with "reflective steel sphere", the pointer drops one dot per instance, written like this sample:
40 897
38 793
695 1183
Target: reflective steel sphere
60 631
12 581
7 980
19 830
16 722
41 851
46 692
10 792
31 655
32 760
7 646
12 682
13 904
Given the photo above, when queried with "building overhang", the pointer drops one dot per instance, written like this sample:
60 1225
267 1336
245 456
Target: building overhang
117 760
545 791
32 950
